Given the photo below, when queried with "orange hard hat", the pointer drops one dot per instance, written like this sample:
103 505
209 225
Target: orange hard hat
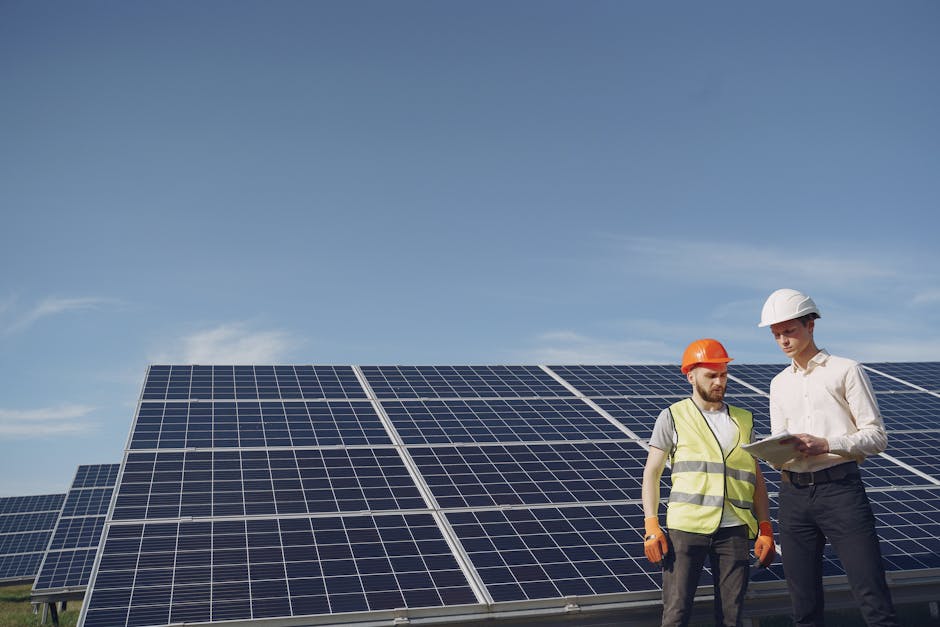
704 351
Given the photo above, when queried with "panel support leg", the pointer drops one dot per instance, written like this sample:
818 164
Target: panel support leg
54 614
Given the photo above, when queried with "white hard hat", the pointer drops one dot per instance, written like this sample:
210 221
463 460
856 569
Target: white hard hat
786 304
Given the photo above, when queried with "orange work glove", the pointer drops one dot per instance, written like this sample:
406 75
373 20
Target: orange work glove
654 541
764 548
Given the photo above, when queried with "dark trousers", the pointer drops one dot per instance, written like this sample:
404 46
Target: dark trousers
727 553
838 510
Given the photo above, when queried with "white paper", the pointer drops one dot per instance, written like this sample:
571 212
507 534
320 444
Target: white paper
771 450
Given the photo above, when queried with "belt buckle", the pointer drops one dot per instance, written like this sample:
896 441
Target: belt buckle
802 479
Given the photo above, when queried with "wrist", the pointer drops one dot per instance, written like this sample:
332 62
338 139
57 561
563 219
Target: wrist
765 528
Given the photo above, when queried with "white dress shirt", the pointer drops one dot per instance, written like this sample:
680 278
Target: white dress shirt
832 398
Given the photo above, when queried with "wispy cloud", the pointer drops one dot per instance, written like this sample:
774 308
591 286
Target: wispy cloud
54 306
231 343
750 265
926 297
45 421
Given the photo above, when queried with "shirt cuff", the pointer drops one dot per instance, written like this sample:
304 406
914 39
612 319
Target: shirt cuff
839 445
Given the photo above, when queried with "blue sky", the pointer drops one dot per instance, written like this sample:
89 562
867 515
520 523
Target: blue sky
446 183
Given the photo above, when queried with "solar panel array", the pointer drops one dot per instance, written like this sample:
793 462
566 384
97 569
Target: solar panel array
70 554
318 493
26 524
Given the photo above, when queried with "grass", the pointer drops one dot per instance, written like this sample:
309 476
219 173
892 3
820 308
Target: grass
17 611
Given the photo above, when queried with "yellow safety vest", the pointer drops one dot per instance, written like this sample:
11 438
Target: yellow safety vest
703 478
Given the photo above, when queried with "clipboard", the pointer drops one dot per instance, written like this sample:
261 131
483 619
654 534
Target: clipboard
770 449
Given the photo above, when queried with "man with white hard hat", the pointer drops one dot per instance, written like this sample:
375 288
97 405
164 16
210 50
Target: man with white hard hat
718 498
827 404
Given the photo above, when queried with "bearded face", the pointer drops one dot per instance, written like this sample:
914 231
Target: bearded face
710 382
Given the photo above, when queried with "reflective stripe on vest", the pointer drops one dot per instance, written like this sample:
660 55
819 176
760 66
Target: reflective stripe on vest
703 479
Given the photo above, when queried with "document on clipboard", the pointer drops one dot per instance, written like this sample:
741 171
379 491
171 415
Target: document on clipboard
771 450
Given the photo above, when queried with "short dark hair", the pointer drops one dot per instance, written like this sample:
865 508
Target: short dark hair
804 320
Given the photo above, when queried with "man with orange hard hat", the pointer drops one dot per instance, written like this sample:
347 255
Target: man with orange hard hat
718 499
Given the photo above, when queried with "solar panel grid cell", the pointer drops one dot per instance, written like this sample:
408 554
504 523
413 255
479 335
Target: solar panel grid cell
71 550
624 380
19 565
908 527
27 504
531 474
96 476
556 552
29 542
83 531
909 411
917 449
512 420
408 382
87 502
62 569
925 375
259 482
24 523
231 570
251 382
254 424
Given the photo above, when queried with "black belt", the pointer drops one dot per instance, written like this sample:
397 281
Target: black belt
833 473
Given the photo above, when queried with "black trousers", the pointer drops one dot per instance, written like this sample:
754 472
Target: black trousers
840 512
727 553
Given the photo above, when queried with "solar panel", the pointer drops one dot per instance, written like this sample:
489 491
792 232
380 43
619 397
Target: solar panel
251 382
17 505
914 411
461 382
513 420
532 474
917 449
625 380
261 568
31 521
524 554
908 524
442 492
26 524
252 424
924 375
70 553
96 476
255 482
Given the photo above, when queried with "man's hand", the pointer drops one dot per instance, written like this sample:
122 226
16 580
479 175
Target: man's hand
764 548
655 544
807 445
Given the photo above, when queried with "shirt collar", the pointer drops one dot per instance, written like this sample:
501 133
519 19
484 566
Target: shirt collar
816 360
